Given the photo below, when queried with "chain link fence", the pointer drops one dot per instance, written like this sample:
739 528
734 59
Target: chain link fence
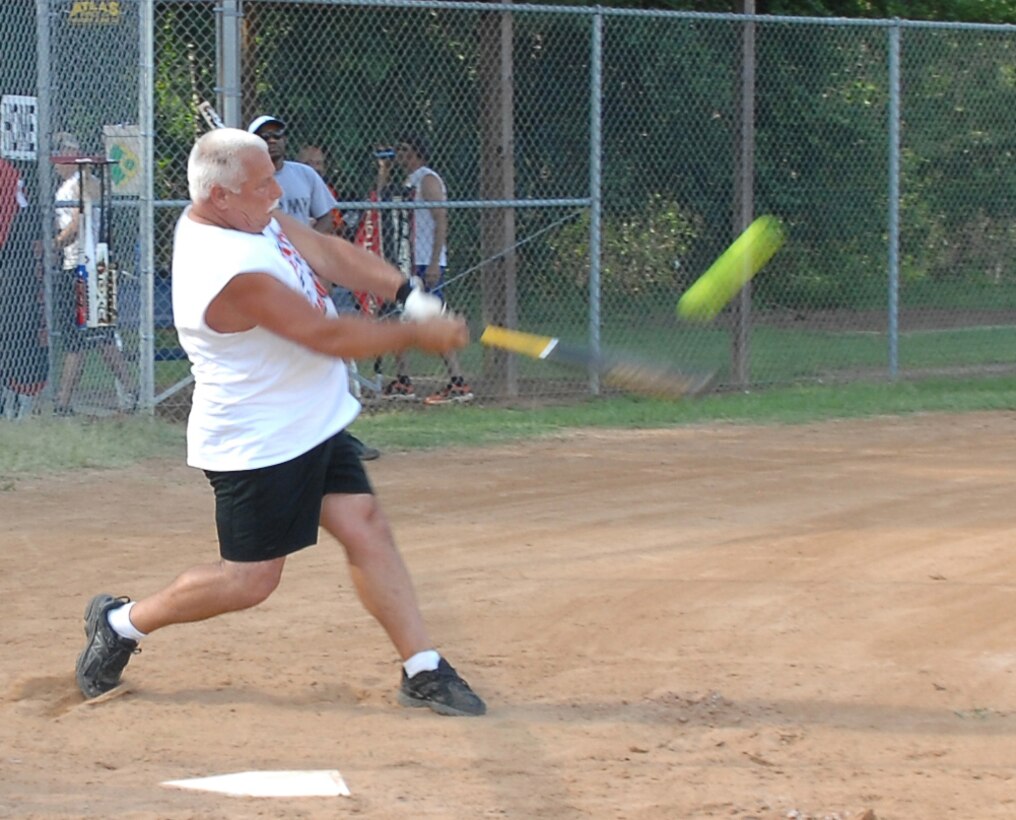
596 160
69 80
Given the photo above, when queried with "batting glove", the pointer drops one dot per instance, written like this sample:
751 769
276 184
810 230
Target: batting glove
416 303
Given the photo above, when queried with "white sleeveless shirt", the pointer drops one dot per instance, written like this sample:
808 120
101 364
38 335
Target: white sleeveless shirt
259 399
423 219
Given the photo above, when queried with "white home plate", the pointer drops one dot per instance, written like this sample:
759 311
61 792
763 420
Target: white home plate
320 783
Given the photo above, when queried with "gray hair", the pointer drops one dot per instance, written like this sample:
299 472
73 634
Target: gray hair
216 159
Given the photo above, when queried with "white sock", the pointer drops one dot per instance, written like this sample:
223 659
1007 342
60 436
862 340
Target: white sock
120 620
426 661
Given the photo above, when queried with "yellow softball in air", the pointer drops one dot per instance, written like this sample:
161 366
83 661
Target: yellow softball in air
736 266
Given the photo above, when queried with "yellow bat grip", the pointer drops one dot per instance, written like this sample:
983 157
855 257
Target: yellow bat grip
528 344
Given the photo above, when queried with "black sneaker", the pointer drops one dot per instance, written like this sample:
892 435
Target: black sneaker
364 451
442 690
106 653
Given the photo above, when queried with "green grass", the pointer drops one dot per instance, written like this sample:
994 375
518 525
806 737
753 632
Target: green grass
778 355
41 446
477 425
962 293
50 445
789 355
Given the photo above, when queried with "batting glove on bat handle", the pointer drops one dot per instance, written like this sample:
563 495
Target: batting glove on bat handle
416 303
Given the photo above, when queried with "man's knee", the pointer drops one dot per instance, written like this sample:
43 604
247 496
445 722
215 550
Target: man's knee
252 583
339 510
358 522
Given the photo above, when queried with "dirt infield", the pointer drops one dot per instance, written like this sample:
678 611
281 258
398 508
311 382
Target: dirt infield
711 621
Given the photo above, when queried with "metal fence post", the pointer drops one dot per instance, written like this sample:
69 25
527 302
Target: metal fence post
595 192
230 13
146 216
45 176
744 196
894 197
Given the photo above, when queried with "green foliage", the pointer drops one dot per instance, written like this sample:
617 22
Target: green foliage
844 273
641 251
959 165
670 133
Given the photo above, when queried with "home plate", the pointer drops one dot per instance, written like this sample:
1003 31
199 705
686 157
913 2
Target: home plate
319 783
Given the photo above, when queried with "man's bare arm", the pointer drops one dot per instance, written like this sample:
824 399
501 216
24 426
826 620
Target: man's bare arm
257 299
342 262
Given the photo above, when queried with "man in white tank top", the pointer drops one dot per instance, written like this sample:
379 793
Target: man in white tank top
428 243
271 401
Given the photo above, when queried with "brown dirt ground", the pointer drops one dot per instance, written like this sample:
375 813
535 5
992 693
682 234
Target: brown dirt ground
710 621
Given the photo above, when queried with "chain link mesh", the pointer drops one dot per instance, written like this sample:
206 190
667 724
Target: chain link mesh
24 345
514 102
81 95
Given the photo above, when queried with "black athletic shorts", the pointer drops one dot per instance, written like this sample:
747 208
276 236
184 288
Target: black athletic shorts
272 511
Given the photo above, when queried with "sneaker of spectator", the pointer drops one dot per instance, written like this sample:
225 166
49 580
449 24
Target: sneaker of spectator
400 389
455 392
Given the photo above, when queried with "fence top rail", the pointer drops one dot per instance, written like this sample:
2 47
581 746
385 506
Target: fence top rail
451 204
608 11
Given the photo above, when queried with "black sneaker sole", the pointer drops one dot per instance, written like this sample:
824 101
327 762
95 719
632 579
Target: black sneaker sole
406 699
94 607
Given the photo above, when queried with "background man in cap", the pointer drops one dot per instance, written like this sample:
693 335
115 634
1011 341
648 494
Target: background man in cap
305 194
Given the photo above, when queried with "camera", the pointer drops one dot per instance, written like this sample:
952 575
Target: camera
384 153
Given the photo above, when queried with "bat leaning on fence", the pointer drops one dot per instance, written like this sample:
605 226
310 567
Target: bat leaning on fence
210 115
616 369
